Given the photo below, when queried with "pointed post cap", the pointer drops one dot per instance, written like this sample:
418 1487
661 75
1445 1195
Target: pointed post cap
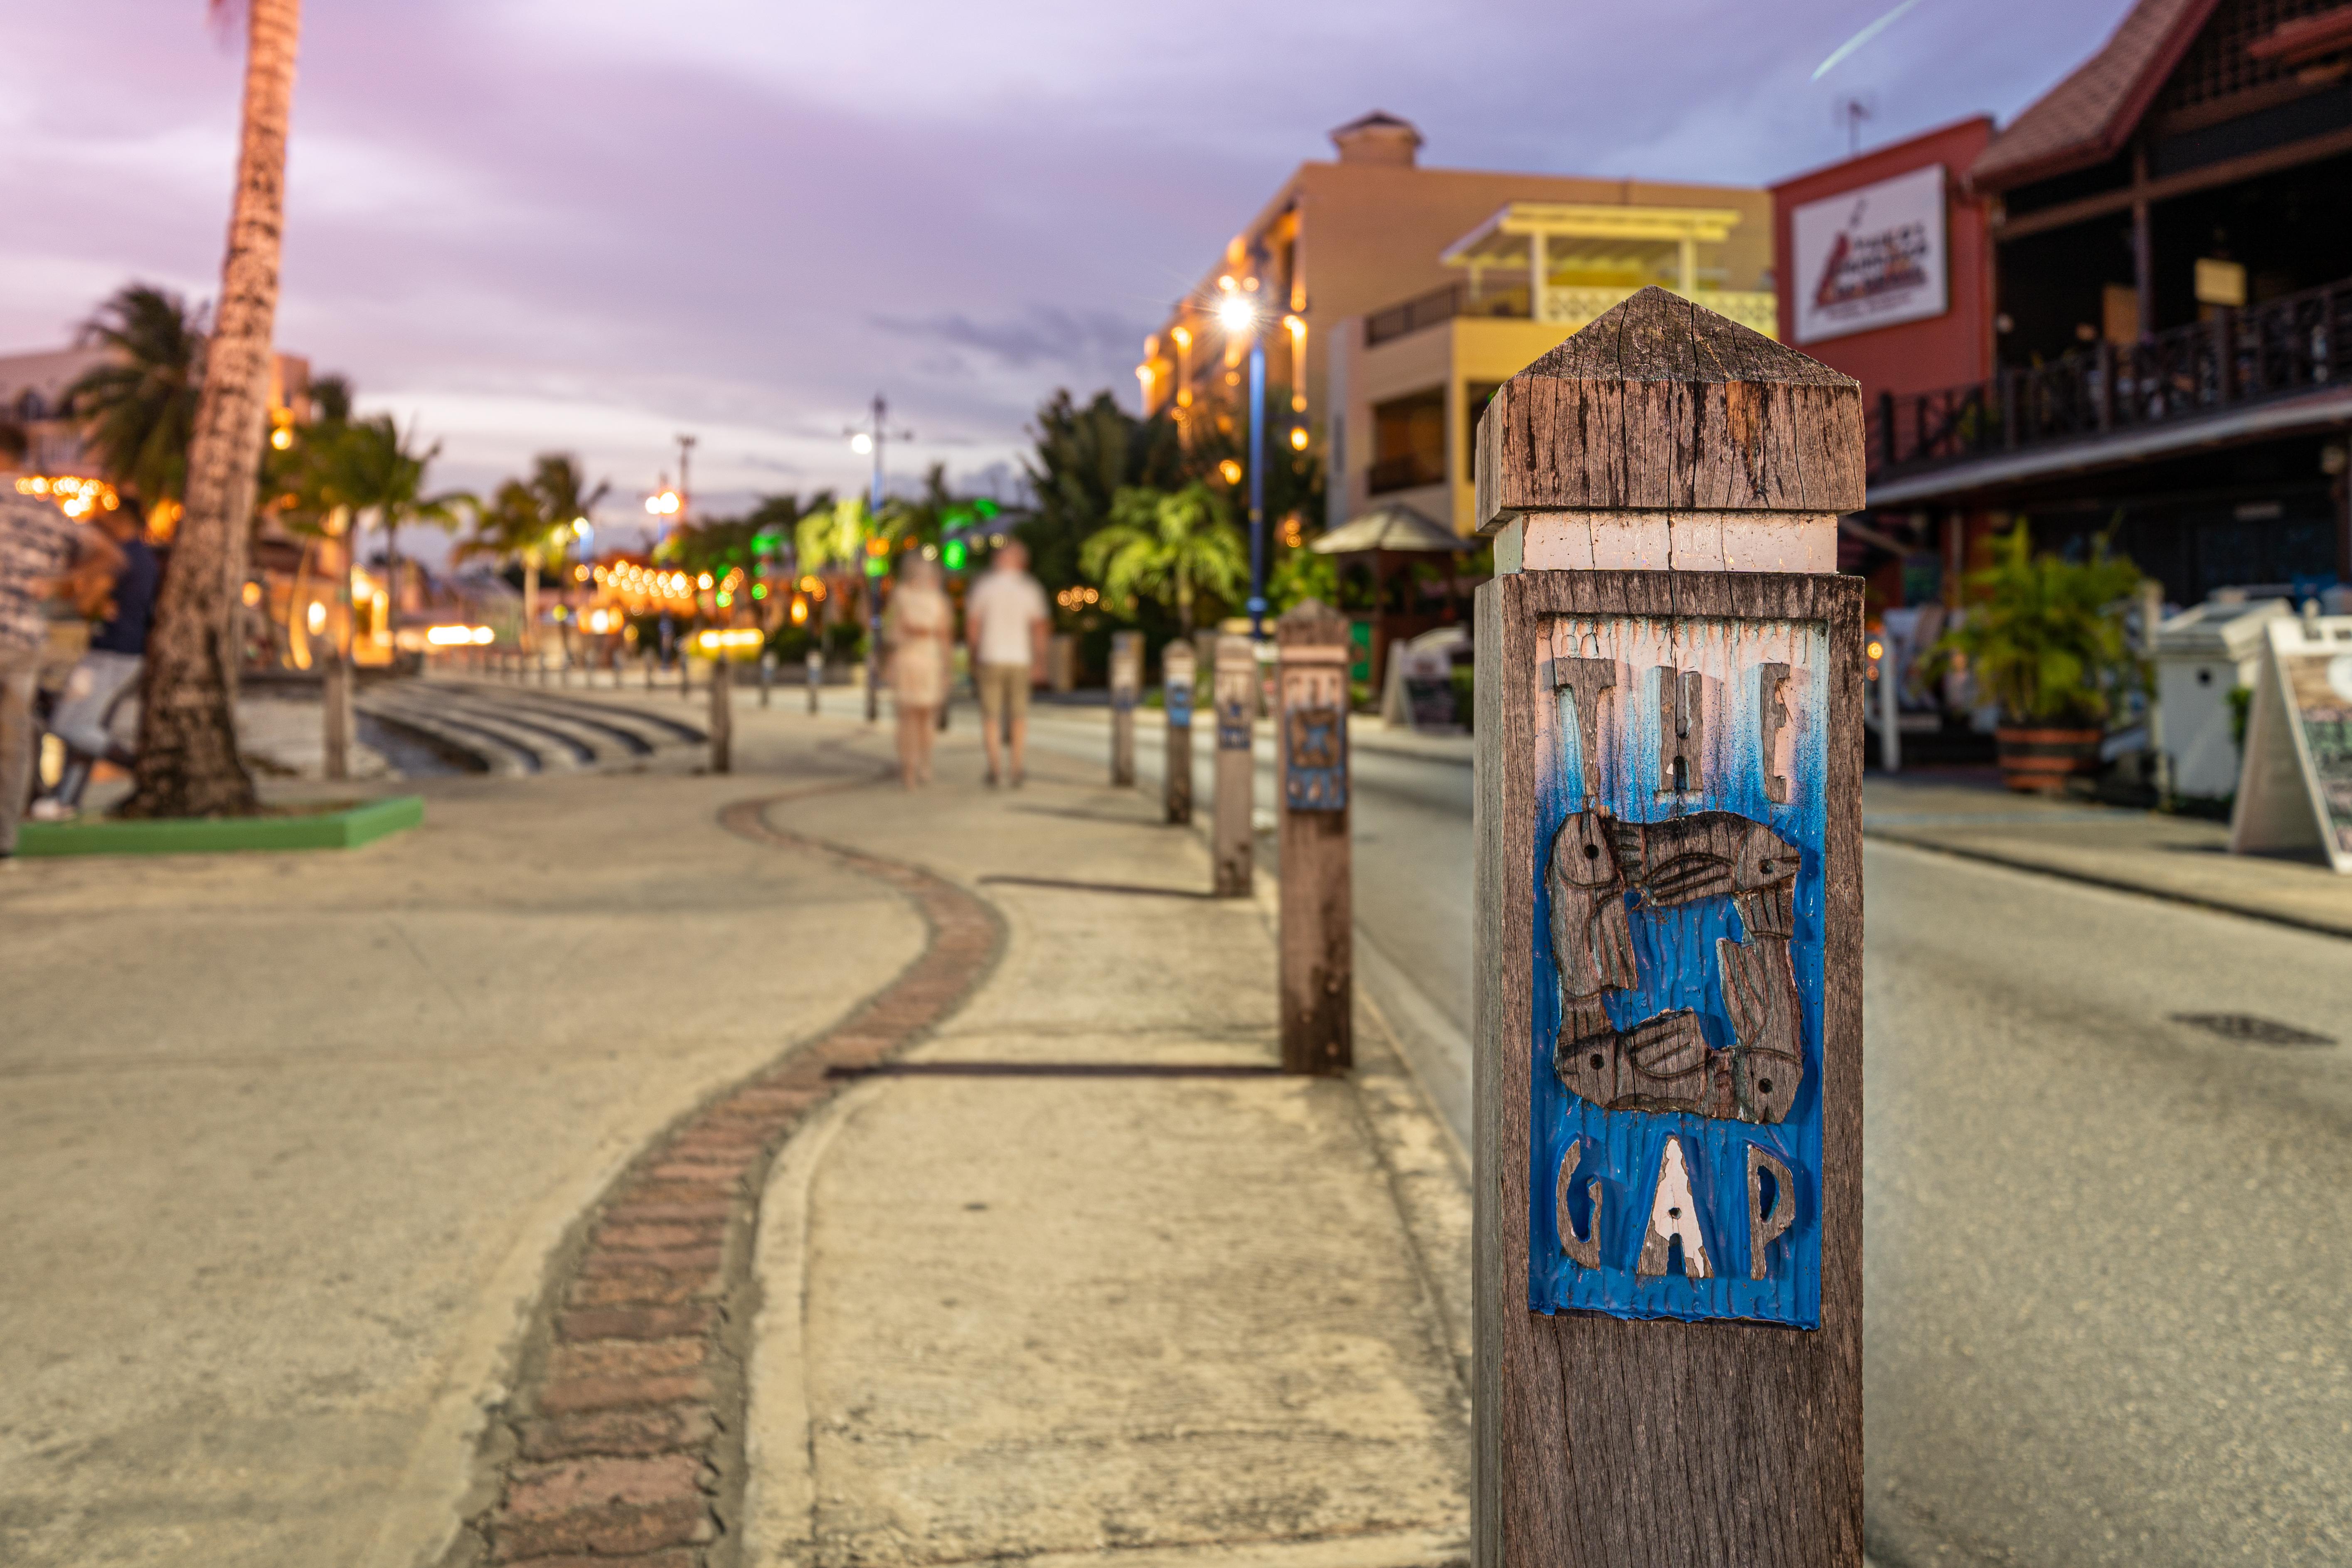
1661 404
1310 621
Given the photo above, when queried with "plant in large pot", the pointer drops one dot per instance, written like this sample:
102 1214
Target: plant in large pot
2044 638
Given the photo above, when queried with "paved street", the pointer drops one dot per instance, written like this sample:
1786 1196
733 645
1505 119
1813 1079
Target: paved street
2105 1269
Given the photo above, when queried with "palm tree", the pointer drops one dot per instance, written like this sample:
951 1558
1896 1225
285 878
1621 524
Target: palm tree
1170 547
1085 457
533 521
188 761
137 407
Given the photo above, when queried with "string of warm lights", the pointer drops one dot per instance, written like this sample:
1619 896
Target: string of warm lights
1073 598
75 497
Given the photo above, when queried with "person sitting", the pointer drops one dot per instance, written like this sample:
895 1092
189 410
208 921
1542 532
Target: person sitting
105 671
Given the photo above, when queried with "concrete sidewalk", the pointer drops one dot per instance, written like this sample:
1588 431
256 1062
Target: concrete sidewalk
309 1157
2184 858
1031 1311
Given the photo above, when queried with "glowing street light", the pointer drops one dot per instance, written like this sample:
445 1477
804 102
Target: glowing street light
1236 314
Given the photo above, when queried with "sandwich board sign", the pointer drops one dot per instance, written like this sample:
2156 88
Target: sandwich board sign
2295 787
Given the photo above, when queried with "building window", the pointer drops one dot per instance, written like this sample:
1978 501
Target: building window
1408 442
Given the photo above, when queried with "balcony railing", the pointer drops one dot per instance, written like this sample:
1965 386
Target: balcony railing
2295 343
1569 307
1443 305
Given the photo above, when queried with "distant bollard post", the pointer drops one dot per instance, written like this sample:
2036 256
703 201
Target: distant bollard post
1667 963
650 659
1126 691
767 674
722 710
686 668
814 666
1235 690
1176 675
1317 933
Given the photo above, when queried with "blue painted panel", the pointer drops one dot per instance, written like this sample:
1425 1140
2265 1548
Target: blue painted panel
1314 760
1179 698
1233 723
1677 965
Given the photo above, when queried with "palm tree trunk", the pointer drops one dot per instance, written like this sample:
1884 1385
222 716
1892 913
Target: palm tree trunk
188 761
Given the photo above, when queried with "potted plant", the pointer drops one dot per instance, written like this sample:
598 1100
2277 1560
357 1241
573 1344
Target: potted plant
2044 638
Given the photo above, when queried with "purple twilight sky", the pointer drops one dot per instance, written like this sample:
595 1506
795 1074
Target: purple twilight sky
592 224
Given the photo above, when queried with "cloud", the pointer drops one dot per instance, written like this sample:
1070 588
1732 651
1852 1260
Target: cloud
1040 336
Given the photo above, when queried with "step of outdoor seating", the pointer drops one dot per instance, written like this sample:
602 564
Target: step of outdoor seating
521 730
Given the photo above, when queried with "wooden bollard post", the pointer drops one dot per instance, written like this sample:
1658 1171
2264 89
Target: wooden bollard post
1310 720
686 669
1666 1071
1176 677
651 660
1126 691
767 674
722 712
1233 688
814 667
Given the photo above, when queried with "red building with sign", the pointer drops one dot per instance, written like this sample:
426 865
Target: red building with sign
1885 271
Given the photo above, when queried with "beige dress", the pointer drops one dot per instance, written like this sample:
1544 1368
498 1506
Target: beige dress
918 625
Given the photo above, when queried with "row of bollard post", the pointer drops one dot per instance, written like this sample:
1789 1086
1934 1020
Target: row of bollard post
1667 1056
1311 750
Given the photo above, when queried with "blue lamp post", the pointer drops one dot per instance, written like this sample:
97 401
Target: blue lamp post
1238 313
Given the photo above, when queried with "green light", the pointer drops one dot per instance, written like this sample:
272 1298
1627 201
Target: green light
726 599
952 554
876 565
759 590
985 507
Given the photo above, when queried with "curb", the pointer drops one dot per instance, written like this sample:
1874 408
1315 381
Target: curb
2112 884
622 1442
346 827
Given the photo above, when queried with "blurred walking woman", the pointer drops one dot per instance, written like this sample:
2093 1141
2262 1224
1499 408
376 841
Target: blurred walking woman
920 624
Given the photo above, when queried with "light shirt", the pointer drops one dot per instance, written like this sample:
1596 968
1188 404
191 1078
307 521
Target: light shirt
36 546
1004 604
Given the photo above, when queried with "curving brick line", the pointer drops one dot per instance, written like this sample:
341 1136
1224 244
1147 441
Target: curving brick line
622 1443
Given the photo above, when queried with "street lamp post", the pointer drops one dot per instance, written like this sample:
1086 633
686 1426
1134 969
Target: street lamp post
865 438
1239 313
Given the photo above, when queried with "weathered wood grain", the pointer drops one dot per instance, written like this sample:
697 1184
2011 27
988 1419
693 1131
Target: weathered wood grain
1602 1441
1317 920
1126 691
1177 675
722 714
1234 691
1663 404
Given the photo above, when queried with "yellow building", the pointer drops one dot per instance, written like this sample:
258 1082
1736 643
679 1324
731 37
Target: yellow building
1391 294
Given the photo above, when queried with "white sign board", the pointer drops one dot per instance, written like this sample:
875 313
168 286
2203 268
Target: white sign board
2295 792
1870 257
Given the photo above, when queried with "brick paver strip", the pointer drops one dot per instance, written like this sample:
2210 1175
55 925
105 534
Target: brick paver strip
622 1445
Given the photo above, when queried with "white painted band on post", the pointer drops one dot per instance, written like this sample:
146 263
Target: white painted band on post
1313 654
1669 541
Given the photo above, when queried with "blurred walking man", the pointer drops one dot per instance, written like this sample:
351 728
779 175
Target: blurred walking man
1005 621
43 556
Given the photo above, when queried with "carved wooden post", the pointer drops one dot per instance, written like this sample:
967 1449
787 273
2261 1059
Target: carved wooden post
815 666
1317 916
1235 690
1126 690
723 711
1176 677
1667 1062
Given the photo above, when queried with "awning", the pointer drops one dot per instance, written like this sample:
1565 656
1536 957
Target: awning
1393 527
2090 454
